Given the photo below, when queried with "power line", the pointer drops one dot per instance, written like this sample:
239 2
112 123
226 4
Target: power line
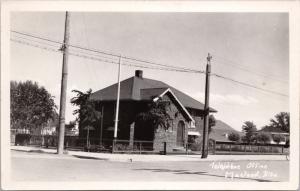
35 45
230 63
37 37
96 57
104 52
249 85
126 63
40 42
57 49
129 63
92 58
156 68
152 63
255 73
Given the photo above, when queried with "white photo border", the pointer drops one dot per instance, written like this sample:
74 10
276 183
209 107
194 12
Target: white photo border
291 7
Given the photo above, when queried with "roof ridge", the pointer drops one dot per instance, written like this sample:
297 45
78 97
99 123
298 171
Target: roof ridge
154 88
138 84
112 85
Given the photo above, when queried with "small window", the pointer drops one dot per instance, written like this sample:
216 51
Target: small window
176 114
192 124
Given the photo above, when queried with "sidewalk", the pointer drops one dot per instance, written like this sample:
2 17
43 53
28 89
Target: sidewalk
151 158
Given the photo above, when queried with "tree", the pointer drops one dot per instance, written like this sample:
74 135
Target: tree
263 138
254 138
86 113
157 114
277 138
249 128
211 123
31 106
281 121
233 136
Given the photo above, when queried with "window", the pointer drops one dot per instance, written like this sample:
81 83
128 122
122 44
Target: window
192 124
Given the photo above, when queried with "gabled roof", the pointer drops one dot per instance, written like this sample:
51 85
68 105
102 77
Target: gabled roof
177 100
143 89
149 94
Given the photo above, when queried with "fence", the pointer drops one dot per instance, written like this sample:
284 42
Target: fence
136 146
92 144
242 148
70 142
36 140
142 147
196 147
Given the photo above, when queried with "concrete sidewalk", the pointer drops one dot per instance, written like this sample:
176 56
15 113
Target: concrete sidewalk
152 157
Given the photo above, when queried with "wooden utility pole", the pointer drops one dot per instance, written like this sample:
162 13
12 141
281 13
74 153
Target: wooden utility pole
206 110
63 91
118 100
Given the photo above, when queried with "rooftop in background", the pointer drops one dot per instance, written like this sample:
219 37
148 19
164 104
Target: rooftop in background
138 88
271 129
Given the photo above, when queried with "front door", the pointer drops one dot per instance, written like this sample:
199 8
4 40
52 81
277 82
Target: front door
180 134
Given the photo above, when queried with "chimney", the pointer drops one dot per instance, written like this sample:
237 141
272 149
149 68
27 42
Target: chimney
139 73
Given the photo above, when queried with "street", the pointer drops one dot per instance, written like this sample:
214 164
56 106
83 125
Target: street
31 166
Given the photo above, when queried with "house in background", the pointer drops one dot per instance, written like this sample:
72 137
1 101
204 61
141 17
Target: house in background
50 128
71 129
135 95
273 131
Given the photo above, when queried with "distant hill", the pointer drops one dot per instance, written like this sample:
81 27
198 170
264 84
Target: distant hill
221 130
220 125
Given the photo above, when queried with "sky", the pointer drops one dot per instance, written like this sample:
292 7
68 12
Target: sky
248 47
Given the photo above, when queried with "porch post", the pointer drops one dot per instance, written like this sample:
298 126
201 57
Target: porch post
131 136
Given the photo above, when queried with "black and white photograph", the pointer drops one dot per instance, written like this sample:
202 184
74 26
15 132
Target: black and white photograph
157 95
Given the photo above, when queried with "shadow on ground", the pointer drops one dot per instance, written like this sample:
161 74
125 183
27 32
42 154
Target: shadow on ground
33 151
187 172
87 157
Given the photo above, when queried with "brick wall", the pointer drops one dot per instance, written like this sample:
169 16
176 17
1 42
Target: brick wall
128 112
170 135
199 127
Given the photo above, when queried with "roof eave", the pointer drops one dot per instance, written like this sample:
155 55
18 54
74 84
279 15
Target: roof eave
177 100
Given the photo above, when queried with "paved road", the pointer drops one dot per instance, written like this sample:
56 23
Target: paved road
28 166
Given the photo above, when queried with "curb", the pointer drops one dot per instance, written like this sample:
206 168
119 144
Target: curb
149 158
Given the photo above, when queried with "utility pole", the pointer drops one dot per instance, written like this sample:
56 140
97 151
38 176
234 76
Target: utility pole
206 110
118 100
63 91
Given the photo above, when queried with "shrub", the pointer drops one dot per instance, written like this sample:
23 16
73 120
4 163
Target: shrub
120 147
263 137
278 138
22 139
245 139
126 147
196 147
233 136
